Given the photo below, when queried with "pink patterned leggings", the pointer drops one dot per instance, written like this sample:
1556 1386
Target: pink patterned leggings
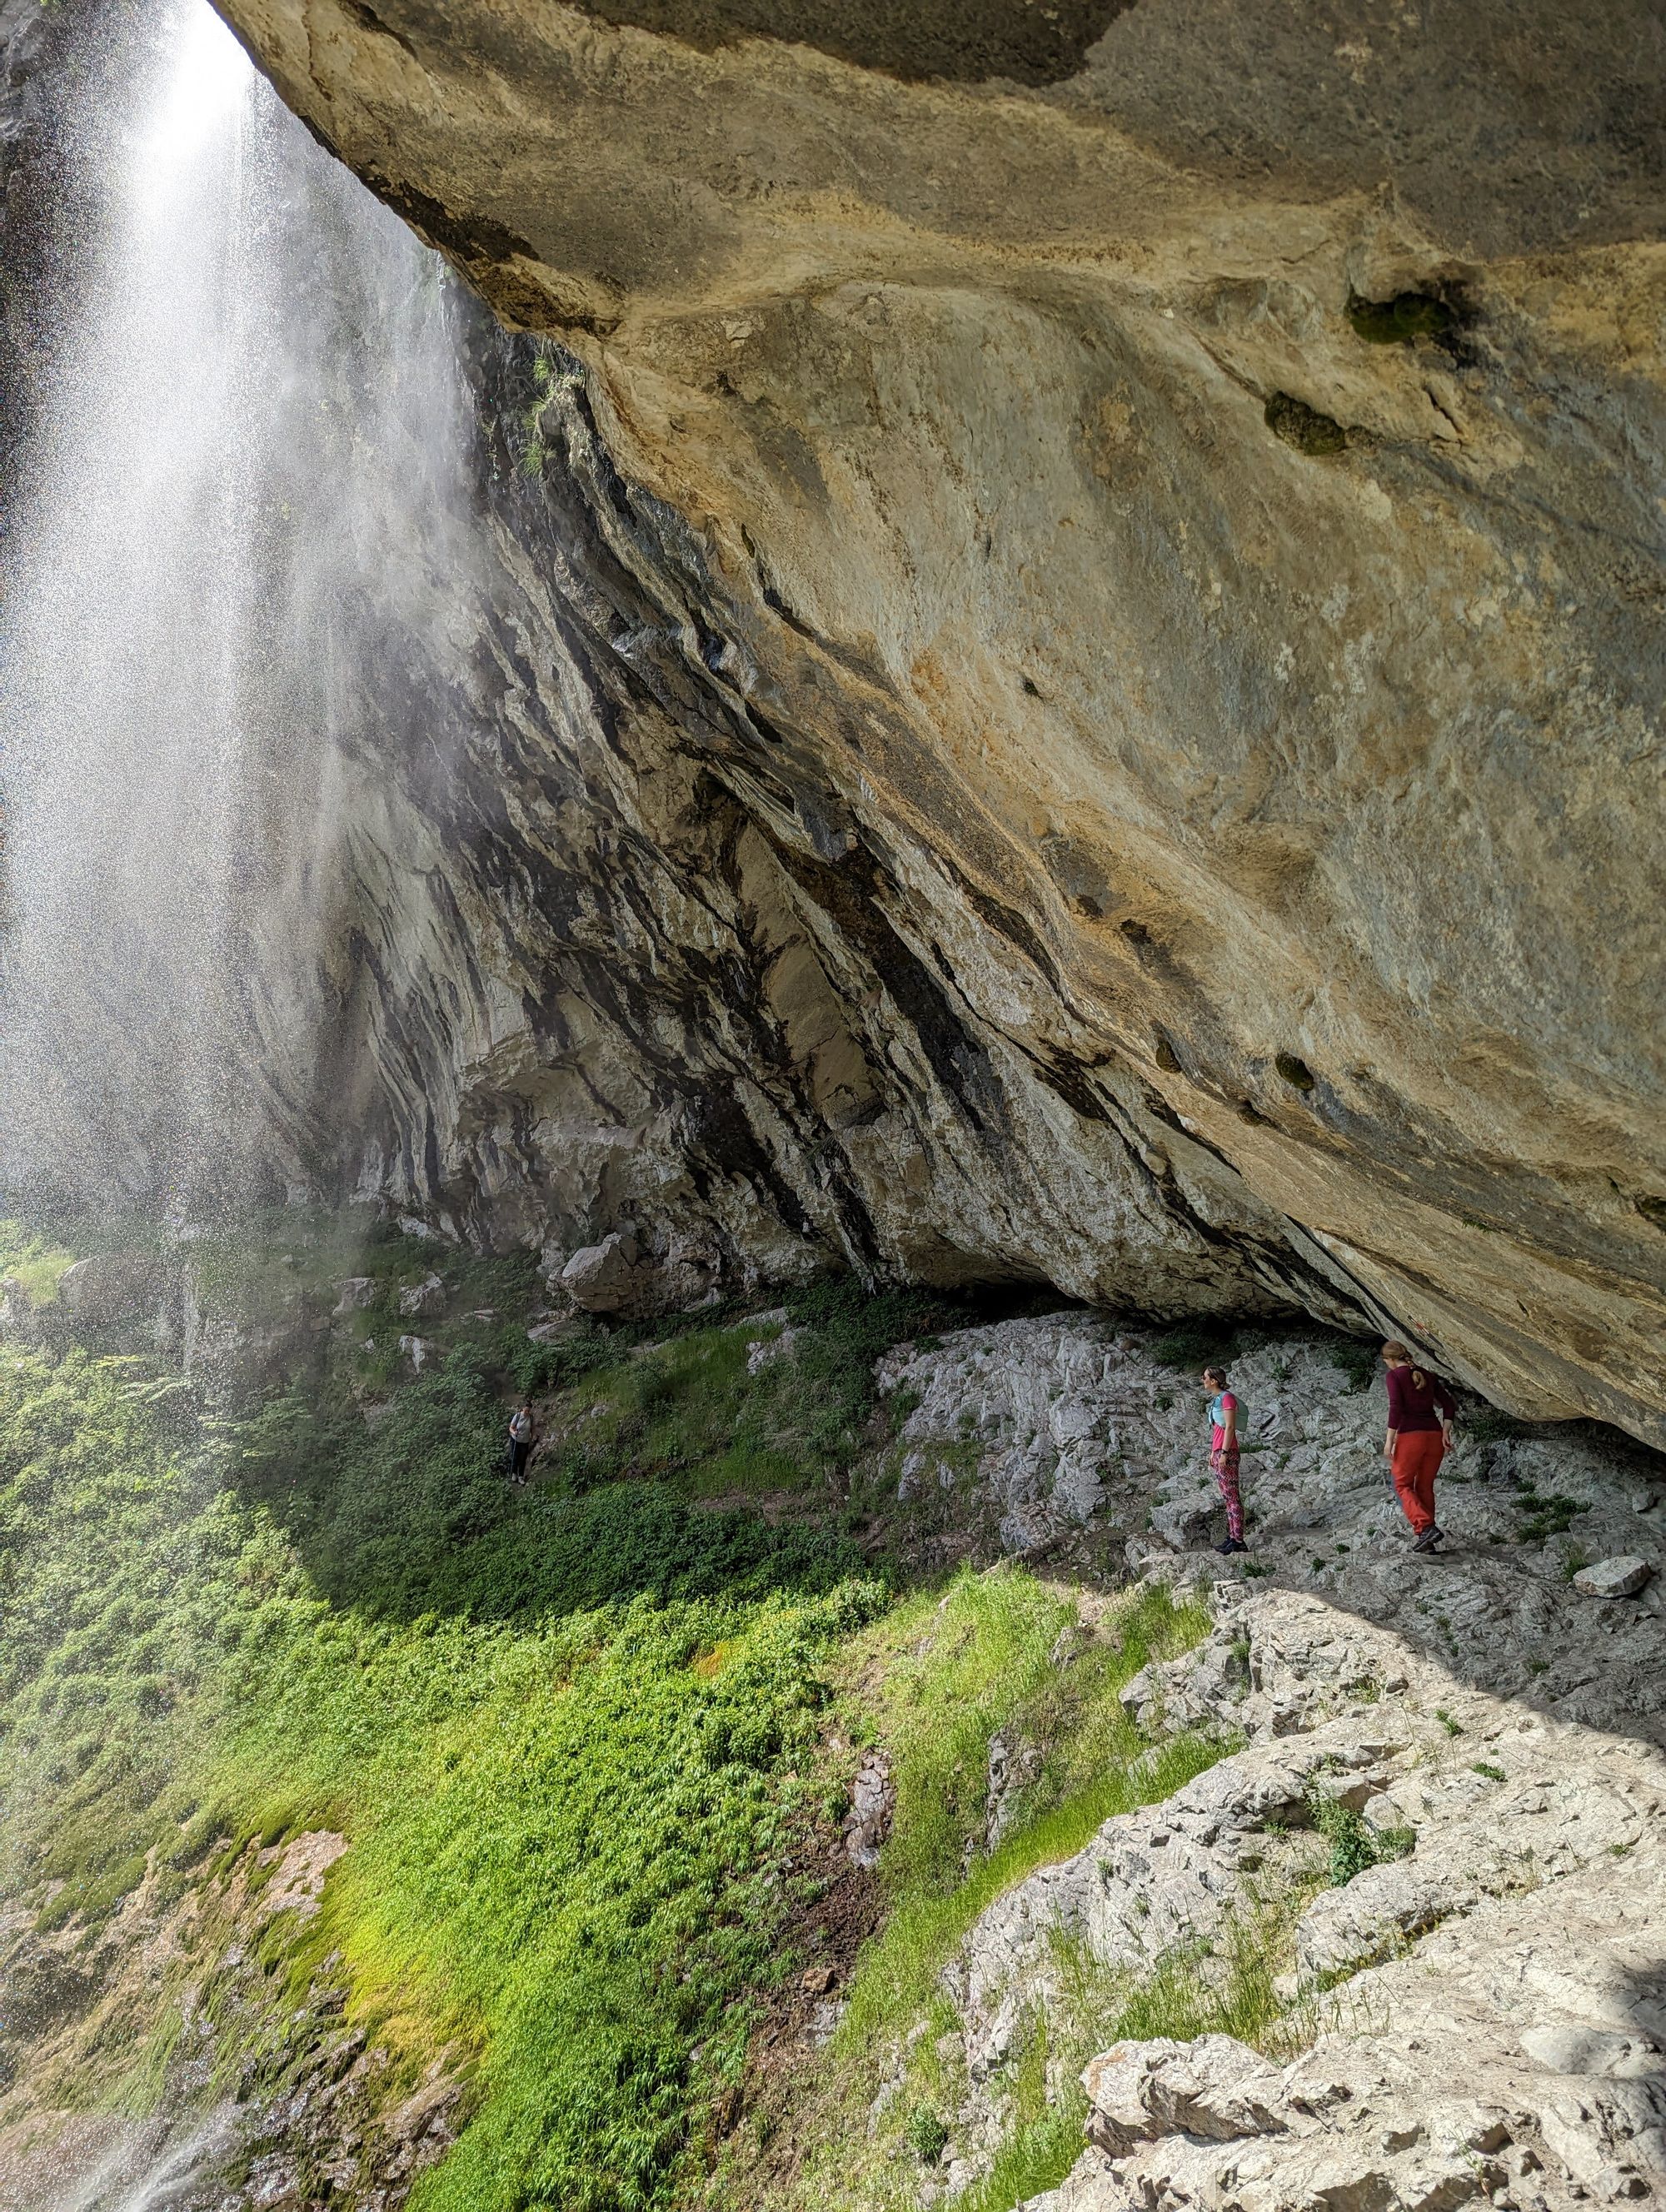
1224 1464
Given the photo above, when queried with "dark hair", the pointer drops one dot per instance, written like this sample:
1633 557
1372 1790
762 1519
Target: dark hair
1214 1374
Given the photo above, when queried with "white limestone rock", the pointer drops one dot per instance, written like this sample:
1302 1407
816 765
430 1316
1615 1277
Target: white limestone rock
1620 1577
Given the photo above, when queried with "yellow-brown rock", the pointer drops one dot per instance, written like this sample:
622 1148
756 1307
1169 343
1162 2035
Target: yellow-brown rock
1170 505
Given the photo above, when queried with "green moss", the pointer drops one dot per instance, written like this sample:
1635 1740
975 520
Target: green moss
1302 427
1398 321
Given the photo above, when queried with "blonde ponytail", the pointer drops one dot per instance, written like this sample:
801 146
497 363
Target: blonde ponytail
1394 1350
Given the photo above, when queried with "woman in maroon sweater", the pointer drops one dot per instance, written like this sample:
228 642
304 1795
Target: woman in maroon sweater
1421 1410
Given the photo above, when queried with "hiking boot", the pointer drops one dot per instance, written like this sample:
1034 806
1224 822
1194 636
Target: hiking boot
1232 1544
1428 1540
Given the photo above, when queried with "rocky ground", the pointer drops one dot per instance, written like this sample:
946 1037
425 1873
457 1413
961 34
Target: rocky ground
1478 2008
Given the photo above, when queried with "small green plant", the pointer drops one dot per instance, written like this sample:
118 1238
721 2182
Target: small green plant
927 2137
1573 1561
1545 1516
1354 1845
1485 1768
1355 1358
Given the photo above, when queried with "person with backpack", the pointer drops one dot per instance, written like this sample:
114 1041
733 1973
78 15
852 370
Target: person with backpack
1421 1411
523 1435
1225 1415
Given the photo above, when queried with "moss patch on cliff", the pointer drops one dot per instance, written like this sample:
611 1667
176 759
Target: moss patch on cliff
1397 321
1304 427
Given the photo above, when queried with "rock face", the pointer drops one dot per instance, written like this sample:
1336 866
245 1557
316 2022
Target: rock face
1057 672
1119 566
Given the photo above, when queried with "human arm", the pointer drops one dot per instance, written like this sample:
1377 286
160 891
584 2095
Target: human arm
1395 1386
1446 1406
1229 1422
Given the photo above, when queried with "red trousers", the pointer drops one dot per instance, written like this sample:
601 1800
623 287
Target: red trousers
1417 1455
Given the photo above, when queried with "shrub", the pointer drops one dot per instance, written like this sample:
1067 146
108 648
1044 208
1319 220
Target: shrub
927 2137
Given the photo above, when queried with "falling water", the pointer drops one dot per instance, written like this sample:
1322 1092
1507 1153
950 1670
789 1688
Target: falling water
255 415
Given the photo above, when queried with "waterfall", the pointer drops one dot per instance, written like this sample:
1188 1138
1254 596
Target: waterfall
255 415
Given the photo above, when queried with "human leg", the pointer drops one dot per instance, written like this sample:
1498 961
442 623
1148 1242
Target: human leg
1417 1453
1224 1464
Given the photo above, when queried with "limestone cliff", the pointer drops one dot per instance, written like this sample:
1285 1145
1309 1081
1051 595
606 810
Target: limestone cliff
1120 599
1058 672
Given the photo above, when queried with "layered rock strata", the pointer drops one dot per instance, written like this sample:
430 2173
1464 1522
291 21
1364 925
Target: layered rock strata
1141 534
1052 671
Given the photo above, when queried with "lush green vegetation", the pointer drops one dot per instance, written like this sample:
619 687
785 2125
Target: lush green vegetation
934 1677
577 1735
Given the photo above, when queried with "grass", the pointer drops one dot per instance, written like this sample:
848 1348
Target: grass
34 1258
948 1673
568 1785
573 1735
933 1679
566 1731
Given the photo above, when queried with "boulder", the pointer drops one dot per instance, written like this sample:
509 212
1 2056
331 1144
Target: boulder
108 1286
418 1349
769 1349
608 1277
17 1314
355 1294
1620 1578
423 1297
873 1801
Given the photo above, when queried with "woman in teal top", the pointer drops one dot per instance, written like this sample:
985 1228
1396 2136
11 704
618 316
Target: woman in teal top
1225 1413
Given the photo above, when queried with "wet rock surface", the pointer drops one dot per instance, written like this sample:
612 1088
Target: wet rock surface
330 2115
